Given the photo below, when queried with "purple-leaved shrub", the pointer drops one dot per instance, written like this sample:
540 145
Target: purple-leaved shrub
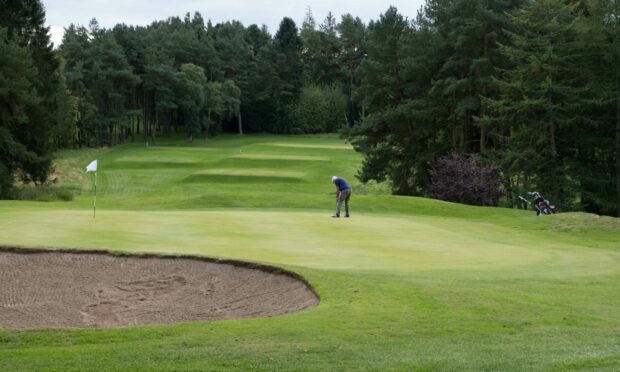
464 179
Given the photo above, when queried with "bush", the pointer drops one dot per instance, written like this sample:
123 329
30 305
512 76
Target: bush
461 179
44 193
64 194
372 187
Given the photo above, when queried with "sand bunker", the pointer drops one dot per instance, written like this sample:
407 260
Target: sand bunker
61 289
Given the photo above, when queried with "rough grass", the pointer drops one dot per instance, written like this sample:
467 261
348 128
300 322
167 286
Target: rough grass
45 193
405 284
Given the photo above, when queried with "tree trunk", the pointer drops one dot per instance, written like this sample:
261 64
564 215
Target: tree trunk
156 126
350 124
554 150
483 110
153 131
208 124
552 128
482 114
509 191
134 120
155 123
175 120
616 45
145 120
618 146
240 124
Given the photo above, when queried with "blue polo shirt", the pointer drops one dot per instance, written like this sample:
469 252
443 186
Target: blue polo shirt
342 184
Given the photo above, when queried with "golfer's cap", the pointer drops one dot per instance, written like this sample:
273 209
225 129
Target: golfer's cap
334 179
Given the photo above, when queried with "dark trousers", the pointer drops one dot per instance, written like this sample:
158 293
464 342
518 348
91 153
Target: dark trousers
345 195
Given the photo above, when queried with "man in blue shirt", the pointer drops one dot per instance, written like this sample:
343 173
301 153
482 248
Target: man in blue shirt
343 194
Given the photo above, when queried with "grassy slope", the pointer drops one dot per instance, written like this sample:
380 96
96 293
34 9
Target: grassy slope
406 283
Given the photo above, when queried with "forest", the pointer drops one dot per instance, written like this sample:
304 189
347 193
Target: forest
531 87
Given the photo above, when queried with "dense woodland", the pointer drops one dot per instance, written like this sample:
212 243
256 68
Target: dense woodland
530 86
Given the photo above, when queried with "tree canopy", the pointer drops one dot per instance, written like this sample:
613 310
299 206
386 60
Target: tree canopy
529 86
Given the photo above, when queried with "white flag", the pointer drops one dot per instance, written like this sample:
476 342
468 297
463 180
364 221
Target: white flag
92 167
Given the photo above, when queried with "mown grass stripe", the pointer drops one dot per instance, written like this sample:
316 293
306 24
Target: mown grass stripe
249 172
308 146
281 157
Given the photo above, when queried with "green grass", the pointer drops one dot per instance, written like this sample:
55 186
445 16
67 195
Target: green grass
406 284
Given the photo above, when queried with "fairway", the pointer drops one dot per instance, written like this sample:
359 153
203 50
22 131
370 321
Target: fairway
406 283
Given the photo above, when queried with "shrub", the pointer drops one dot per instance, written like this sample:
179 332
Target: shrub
64 195
462 179
44 193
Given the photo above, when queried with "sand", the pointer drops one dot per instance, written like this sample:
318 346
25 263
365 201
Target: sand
66 289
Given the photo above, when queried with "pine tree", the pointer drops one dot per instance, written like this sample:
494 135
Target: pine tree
382 89
256 105
597 138
352 38
469 32
321 51
17 72
29 93
540 97
284 73
75 51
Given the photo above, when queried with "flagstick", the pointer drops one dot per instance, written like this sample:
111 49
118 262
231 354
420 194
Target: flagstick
95 199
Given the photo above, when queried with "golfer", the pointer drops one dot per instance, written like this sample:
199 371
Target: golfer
343 194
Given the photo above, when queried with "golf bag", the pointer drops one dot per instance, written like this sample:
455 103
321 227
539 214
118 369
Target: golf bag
542 205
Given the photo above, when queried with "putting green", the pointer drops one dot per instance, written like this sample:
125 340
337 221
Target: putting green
310 239
406 283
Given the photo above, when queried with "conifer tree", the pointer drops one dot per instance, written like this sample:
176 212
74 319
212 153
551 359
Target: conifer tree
31 84
285 69
597 138
540 97
352 37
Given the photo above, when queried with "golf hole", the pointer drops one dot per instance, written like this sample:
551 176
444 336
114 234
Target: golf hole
80 289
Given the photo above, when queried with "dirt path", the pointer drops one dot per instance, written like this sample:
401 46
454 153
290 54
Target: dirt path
100 290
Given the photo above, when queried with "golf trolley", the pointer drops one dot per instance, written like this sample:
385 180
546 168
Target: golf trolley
542 205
